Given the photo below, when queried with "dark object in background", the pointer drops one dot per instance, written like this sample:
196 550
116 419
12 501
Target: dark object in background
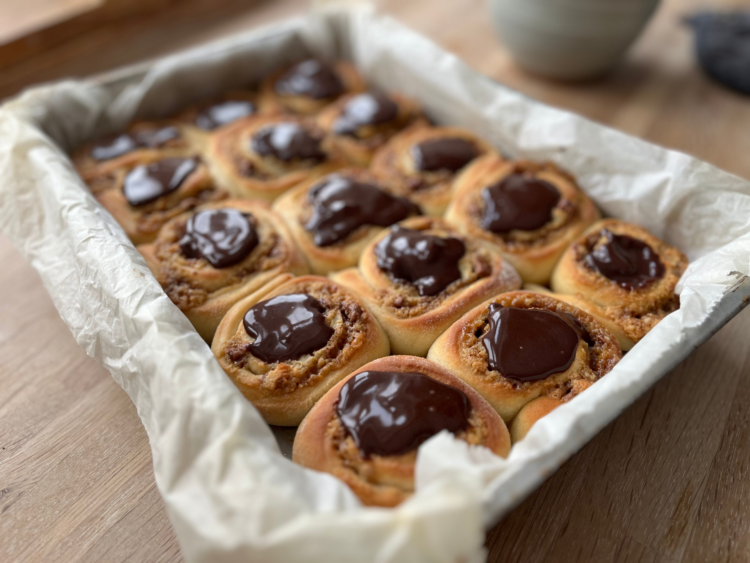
722 44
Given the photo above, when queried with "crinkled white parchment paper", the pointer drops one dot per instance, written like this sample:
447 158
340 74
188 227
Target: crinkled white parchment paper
230 494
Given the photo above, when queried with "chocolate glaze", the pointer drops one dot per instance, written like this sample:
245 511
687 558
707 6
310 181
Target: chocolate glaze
147 183
428 262
287 141
529 344
449 153
224 237
223 113
286 327
518 201
113 146
341 205
391 413
627 261
312 78
369 108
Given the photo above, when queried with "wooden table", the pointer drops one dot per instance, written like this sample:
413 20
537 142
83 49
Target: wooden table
667 481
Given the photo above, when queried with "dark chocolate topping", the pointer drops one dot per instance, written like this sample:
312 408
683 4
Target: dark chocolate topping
342 205
287 141
518 201
450 153
113 146
224 237
223 113
529 344
147 183
365 109
286 328
312 78
428 262
391 413
627 261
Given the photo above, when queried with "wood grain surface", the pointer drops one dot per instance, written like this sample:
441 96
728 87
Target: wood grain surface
667 481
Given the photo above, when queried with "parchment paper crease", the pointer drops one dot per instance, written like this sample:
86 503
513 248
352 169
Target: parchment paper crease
229 492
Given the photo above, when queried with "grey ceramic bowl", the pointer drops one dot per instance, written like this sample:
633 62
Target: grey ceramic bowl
569 39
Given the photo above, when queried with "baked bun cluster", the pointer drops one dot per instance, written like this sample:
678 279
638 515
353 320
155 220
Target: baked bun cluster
425 234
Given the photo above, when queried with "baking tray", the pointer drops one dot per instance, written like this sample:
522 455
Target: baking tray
230 493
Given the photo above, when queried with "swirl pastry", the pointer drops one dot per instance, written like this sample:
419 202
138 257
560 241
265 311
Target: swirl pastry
308 86
143 141
142 197
208 259
333 218
421 275
210 115
262 156
366 430
289 343
422 163
623 275
362 123
521 346
531 212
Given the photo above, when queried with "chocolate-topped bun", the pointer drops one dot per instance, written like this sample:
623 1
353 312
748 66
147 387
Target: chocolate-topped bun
205 117
421 275
287 344
362 123
422 163
307 86
367 429
623 275
531 212
211 257
262 156
143 141
521 346
143 196
334 217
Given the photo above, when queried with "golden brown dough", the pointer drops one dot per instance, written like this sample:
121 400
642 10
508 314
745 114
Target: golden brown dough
204 292
427 181
361 123
315 84
413 321
142 141
142 217
629 311
263 156
201 119
462 350
323 443
285 391
297 208
551 213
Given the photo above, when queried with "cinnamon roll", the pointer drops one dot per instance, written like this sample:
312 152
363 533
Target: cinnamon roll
333 218
147 193
422 163
520 346
623 275
308 86
421 275
359 124
531 212
211 115
288 344
143 141
366 430
262 156
208 259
